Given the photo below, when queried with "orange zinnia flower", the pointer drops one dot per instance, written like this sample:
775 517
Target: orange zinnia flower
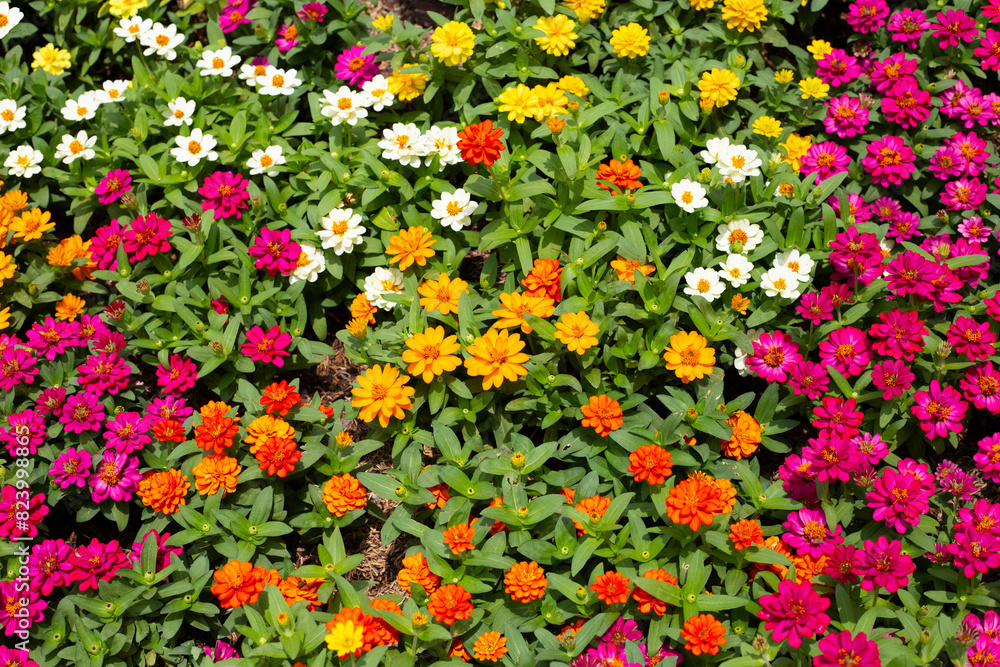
694 502
703 634
344 493
411 246
277 456
216 432
514 305
302 589
279 397
415 570
611 587
568 494
626 268
384 632
604 414
621 175
214 472
595 506
650 463
480 143
646 602
382 392
746 533
238 583
525 582
458 650
69 308
459 538
491 646
450 603
167 430
746 436
543 279
497 525
163 491
496 357
569 631
362 308
266 427
441 496
442 294
807 567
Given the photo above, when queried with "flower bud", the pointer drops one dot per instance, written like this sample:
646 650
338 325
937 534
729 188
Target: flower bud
283 619
861 48
522 511
573 107
419 620
581 593
602 226
705 175
344 440
517 460
129 201
217 347
691 414
944 350
867 101
556 125
143 286
115 309
192 223
760 643
967 633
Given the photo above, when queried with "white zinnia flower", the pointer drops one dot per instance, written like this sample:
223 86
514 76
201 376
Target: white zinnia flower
9 18
689 195
382 282
112 91
705 283
343 106
23 161
740 355
179 112
402 143
341 230
375 93
218 63
133 28
738 162
738 231
262 161
277 81
713 149
71 148
161 40
310 264
249 73
736 269
780 281
799 264
82 108
443 142
195 148
11 116
454 210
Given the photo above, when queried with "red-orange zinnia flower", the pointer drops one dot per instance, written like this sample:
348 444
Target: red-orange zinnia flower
650 463
279 397
604 414
703 634
277 456
746 533
459 538
647 602
525 582
238 583
543 279
450 603
611 587
694 502
621 175
479 142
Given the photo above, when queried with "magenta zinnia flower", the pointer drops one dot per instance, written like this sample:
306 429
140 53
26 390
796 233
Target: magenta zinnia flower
104 245
127 432
831 459
852 251
952 27
898 500
973 229
838 67
842 648
888 72
116 476
17 366
907 105
965 194
798 479
840 563
12 526
940 410
910 273
837 418
826 159
269 347
355 66
856 206
947 162
49 566
899 334
97 561
845 116
178 377
795 612
222 651
871 447
91 328
104 373
972 148
988 457
971 338
623 630
169 408
894 378
233 15
50 337
275 251
983 516
889 161
287 37
82 412
903 226
989 50
226 194
774 354
809 378
19 608
164 553
24 424
807 532
50 401
146 236
113 186
815 307
867 15
907 26
882 564
71 468
14 657
975 110
847 351
981 385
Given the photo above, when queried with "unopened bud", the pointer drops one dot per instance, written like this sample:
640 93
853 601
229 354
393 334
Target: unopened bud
861 48
283 619
419 620
944 349
517 460
664 96
760 643
556 125
143 286
573 107
602 226
192 223
129 201
691 414
217 347
867 101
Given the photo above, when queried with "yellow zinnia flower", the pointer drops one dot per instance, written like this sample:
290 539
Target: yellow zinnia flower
813 87
125 9
585 9
5 318
384 22
7 267
796 148
30 225
411 246
357 327
513 307
574 86
689 357
819 48
577 332
407 85
766 126
630 41
453 43
50 59
382 392
740 303
551 100
784 76
718 88
518 102
744 14
496 357
344 637
702 4
442 294
431 353
67 250
559 37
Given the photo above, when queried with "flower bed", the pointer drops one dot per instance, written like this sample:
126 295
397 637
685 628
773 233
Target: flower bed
677 333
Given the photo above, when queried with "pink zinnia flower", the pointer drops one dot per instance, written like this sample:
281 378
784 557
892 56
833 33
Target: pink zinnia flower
899 334
815 307
831 459
842 648
903 226
795 612
893 70
889 161
837 418
17 366
113 186
222 650
268 347
82 412
115 476
989 50
104 245
982 516
164 553
49 567
882 564
910 273
956 481
89 328
809 379
110 342
907 105
97 561
953 26
894 378
974 230
312 10
24 424
898 500
852 251
971 338
104 372
355 66
837 67
621 631
798 479
275 251
169 408
13 527
838 294
71 468
976 552
50 337
840 563
13 657
886 208
972 148
940 410
233 15
952 96
179 376
127 432
871 447
826 159
975 110
867 16
146 236
774 354
988 457
19 608
991 10
226 194
808 533
948 161
981 385
220 305
965 194
907 26
847 351
845 116
50 401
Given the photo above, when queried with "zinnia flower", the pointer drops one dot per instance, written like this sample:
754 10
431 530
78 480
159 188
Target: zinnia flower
795 612
267 347
225 193
480 143
689 356
604 414
525 581
382 392
703 634
497 357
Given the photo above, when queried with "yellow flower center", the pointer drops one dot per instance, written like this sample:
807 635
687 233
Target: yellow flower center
277 80
738 235
687 197
339 227
218 63
7 115
739 161
344 103
704 286
162 40
194 147
266 161
453 208
75 147
356 64
178 114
